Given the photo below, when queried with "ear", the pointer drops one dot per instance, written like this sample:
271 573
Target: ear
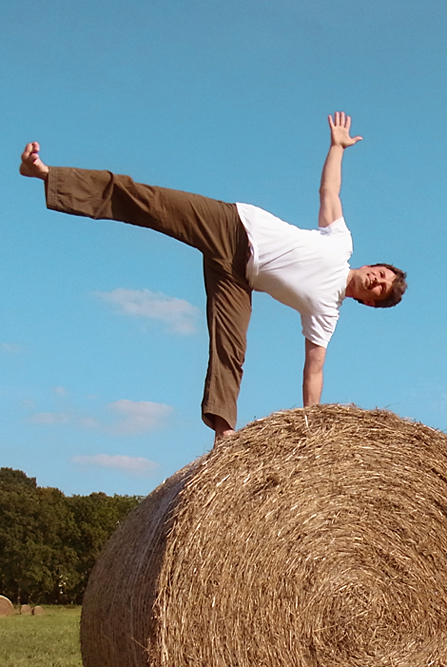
369 303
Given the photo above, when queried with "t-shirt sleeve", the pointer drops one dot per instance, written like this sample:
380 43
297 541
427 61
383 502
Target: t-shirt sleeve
318 329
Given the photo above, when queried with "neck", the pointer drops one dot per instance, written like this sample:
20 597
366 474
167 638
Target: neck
349 282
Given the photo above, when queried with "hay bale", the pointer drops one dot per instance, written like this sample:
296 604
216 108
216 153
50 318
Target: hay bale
26 610
38 611
6 606
314 537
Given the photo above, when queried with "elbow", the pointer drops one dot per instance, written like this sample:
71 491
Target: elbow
327 191
312 372
315 356
329 196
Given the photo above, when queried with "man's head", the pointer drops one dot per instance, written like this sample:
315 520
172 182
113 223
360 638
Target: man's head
377 285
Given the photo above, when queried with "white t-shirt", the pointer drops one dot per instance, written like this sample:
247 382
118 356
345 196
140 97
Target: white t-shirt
302 268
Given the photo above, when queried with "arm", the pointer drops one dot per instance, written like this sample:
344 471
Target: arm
330 204
313 373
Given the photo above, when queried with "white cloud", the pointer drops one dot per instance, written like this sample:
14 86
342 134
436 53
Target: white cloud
88 422
138 416
50 418
134 418
60 391
179 315
136 466
10 347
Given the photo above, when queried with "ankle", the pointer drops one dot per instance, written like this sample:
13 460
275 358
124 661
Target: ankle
222 429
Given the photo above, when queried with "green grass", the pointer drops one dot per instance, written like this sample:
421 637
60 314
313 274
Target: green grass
50 640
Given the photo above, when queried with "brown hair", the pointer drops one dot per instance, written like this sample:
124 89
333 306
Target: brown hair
397 289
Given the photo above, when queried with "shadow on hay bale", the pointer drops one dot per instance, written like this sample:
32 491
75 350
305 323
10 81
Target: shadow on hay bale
313 537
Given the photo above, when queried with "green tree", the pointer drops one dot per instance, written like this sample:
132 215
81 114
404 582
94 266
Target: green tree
50 542
96 517
18 549
59 560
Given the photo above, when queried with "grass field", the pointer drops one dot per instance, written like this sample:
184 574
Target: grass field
51 640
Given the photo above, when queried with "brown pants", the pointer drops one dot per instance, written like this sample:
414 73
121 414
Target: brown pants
211 226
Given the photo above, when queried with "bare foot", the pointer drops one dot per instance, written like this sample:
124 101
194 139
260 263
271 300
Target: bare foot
222 429
32 165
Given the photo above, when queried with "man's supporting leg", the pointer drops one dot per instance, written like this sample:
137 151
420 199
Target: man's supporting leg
221 429
228 315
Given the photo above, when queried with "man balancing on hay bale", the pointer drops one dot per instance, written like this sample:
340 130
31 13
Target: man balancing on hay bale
244 249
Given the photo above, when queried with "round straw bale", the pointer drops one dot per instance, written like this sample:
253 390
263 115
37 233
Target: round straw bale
6 606
314 537
26 610
38 611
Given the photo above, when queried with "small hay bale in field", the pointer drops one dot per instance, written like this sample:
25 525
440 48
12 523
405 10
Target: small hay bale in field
6 606
314 537
38 611
26 610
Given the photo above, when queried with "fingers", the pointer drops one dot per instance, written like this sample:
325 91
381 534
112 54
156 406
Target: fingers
341 119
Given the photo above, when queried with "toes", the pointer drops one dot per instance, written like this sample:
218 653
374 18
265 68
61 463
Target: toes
27 152
30 150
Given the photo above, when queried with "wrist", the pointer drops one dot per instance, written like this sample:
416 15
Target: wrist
337 147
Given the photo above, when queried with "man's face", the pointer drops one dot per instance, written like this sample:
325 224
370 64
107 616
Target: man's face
373 283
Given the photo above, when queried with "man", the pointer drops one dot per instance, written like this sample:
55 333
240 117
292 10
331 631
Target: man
244 249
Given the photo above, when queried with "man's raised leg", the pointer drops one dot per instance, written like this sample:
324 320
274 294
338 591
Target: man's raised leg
211 226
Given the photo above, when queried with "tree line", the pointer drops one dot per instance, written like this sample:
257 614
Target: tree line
49 542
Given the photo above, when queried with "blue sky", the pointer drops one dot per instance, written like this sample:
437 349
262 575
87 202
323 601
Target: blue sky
103 343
